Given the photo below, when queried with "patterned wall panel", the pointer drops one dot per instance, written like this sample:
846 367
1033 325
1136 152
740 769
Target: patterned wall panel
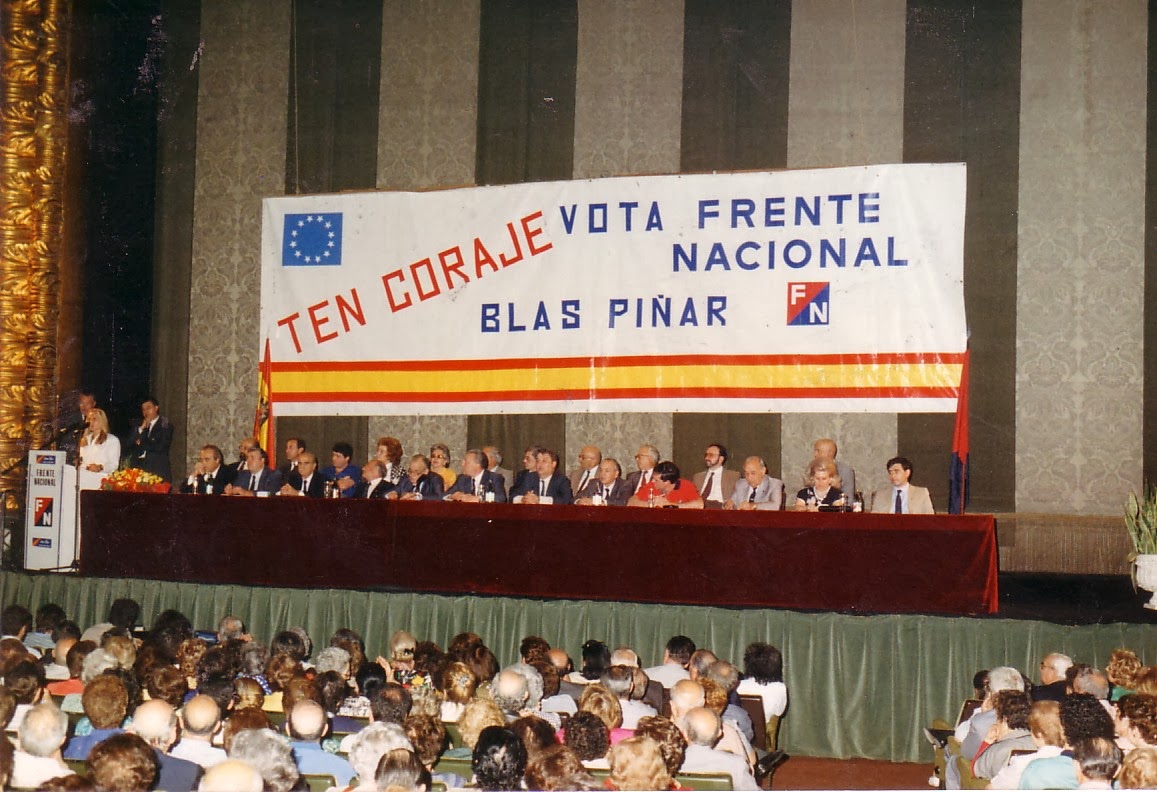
1079 305
426 136
846 108
627 110
240 160
429 98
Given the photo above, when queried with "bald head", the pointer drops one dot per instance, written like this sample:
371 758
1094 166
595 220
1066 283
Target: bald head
825 448
560 660
156 723
201 717
60 651
625 657
307 721
685 696
231 776
701 727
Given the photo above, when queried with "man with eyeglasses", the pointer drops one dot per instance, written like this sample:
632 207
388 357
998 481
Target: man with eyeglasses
1052 678
645 460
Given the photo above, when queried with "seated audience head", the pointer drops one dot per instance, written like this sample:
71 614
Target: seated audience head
1092 681
1012 708
551 767
597 699
290 643
700 661
96 662
679 650
1044 723
1123 667
478 714
637 763
16 621
230 628
701 726
458 682
166 683
561 661
270 755
26 681
499 759
714 696
123 763
535 733
402 646
231 776
1137 719
124 613
639 684
587 734
242 720
200 718
1053 667
685 696
724 674
1083 718
105 702
156 723
596 657
333 658
391 704
428 736
625 656
1097 759
618 679
532 647
373 742
672 744
48 617
307 721
510 692
1004 678
43 730
1139 769
400 770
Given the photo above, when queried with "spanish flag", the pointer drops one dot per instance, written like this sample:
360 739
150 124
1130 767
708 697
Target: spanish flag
958 467
263 417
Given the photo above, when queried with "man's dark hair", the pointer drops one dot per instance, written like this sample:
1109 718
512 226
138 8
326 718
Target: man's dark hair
667 471
123 762
533 645
298 440
680 647
1099 758
479 457
901 461
499 759
402 769
25 679
151 400
344 448
550 452
370 678
535 733
218 687
49 616
334 689
391 704
343 634
723 455
587 735
763 663
67 629
15 618
287 642
596 659
124 613
1083 718
1012 707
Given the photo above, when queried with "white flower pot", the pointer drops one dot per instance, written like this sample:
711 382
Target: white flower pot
1147 577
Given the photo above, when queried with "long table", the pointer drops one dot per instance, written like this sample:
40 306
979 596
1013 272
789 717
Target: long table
846 562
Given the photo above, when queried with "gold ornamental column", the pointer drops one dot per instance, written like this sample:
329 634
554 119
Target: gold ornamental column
33 139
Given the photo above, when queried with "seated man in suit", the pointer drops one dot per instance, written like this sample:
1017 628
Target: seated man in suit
590 457
476 484
294 447
609 487
901 497
716 482
209 476
418 483
666 488
545 485
257 478
756 490
305 480
645 460
374 483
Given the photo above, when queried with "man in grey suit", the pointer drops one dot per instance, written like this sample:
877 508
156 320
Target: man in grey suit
901 497
756 490
257 478
716 483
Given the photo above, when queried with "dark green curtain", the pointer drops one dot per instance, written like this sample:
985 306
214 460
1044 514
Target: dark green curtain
859 686
755 434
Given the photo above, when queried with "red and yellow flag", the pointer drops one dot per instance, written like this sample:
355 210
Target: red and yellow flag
263 417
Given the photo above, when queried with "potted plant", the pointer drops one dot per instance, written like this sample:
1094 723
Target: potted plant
1141 520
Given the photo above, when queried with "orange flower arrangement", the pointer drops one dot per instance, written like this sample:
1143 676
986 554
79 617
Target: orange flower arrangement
134 480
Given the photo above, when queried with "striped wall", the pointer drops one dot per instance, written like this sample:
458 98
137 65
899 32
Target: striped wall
1044 99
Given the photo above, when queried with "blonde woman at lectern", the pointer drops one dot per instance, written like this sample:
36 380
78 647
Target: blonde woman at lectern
100 451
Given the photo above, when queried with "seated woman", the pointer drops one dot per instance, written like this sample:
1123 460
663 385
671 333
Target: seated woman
440 464
100 452
763 677
822 492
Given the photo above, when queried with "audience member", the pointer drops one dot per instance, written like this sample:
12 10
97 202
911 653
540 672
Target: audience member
42 734
156 723
637 763
231 775
123 763
200 721
307 726
675 658
270 755
499 759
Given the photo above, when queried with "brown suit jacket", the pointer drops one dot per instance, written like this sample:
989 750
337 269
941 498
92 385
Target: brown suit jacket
919 501
730 479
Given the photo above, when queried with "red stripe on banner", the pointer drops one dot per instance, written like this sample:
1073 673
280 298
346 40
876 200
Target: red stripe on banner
622 393
912 358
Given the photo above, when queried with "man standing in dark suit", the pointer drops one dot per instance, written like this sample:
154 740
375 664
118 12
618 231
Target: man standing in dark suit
545 484
150 441
476 484
305 480
209 476
257 478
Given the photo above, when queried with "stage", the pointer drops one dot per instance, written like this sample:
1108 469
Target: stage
861 563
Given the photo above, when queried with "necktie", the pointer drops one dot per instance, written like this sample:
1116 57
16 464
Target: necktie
751 497
604 491
586 478
643 480
899 503
305 483
542 489
253 482
475 487
707 485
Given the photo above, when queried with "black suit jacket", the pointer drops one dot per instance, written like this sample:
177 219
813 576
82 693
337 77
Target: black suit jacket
316 484
558 488
429 486
384 487
200 486
150 452
491 482
619 495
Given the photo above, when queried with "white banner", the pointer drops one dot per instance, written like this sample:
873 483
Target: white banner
798 291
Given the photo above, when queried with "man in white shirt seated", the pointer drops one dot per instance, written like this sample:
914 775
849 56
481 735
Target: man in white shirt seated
41 736
675 658
703 729
200 720
901 497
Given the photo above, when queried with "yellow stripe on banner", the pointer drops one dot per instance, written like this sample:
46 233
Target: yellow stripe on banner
901 375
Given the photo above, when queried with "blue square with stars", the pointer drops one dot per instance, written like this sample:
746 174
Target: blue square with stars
311 240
